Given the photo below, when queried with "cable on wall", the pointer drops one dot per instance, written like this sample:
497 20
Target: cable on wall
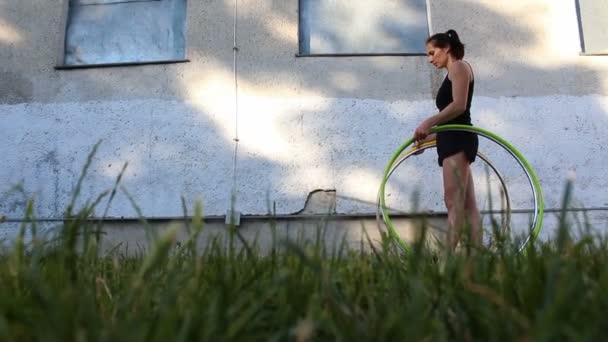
233 216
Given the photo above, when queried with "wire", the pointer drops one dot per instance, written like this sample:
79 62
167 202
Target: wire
235 51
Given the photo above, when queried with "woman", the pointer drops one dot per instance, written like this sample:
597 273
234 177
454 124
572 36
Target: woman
456 150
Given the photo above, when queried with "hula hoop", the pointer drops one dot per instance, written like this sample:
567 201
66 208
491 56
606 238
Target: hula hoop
431 144
537 220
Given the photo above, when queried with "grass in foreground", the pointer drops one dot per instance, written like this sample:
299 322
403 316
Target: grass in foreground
64 290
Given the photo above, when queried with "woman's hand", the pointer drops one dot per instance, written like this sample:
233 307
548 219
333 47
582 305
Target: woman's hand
422 131
419 143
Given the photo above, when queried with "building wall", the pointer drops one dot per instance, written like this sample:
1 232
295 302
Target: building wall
303 123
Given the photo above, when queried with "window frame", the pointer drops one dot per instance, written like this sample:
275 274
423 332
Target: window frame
581 33
380 54
60 59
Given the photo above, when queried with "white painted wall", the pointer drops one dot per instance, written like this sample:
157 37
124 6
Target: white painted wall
287 148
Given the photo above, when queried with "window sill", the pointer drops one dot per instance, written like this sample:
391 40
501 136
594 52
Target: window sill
359 54
109 65
593 54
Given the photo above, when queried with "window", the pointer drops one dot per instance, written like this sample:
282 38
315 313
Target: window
593 26
107 32
362 27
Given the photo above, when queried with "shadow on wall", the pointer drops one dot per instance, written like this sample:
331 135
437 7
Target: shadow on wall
304 123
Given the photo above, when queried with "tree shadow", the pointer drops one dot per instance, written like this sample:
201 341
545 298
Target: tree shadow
304 123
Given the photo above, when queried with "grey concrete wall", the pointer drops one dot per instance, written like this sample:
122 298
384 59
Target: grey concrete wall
519 48
264 234
303 123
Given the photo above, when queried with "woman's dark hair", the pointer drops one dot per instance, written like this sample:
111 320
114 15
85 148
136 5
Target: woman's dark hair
448 39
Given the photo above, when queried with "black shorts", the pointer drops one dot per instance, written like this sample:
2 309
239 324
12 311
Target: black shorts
452 142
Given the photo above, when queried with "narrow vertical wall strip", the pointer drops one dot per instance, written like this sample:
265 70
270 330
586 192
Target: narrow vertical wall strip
235 50
428 16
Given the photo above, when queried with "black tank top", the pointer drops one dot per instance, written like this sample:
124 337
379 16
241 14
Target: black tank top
444 98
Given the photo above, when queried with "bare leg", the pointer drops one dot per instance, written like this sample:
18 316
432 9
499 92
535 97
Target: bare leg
473 218
456 175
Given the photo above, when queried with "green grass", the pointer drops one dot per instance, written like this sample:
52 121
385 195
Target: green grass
65 289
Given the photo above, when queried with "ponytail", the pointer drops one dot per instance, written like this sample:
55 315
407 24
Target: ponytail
448 39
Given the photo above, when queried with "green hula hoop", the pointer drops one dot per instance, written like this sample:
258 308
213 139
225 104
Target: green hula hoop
431 144
537 222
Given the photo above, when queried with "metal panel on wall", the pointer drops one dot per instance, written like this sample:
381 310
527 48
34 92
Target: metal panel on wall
362 26
125 32
104 2
593 23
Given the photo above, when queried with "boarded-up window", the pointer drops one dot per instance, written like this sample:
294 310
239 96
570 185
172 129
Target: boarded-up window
124 31
362 26
593 25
